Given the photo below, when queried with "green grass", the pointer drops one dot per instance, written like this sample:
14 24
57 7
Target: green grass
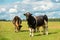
7 32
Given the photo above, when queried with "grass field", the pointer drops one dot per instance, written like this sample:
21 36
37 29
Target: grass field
7 32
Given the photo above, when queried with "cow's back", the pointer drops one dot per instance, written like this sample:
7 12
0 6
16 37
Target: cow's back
17 19
39 20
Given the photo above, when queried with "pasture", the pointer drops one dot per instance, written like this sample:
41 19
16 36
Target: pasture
7 32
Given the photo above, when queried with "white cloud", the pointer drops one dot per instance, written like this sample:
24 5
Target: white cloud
36 14
12 16
18 2
2 10
42 5
23 10
16 6
52 17
57 0
26 1
23 6
12 10
3 16
51 13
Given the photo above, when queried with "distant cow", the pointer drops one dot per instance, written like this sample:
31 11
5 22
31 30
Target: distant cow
17 23
37 21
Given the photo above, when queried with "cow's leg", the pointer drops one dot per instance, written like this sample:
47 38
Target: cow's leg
45 27
16 25
20 27
16 29
31 31
37 29
45 30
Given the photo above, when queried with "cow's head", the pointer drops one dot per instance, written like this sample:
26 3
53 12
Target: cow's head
28 14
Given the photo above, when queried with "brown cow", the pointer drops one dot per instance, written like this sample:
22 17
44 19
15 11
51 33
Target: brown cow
36 22
17 23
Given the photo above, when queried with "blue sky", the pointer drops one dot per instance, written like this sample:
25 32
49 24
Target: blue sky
11 8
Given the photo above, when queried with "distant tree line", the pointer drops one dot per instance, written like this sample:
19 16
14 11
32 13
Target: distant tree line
55 19
4 20
50 19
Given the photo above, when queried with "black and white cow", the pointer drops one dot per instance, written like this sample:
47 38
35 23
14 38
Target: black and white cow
37 21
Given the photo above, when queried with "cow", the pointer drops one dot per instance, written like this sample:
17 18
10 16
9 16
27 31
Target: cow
17 23
34 22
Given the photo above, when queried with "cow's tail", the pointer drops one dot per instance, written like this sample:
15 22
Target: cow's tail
46 18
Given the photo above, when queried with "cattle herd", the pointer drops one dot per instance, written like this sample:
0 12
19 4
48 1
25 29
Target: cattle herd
33 22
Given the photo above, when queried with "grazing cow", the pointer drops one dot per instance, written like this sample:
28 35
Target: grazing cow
37 21
17 23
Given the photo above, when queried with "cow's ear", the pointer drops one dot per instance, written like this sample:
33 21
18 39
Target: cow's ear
31 14
24 14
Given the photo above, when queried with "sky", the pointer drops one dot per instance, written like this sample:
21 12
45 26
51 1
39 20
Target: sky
11 8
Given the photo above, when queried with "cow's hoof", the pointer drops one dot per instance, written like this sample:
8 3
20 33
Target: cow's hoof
31 35
34 31
16 31
45 34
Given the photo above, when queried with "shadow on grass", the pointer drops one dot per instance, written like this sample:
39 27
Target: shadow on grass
48 34
24 30
38 35
52 33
